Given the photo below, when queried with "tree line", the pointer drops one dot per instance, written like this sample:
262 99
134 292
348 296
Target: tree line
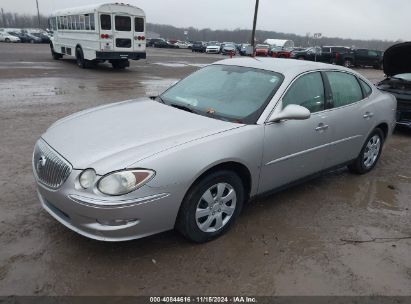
17 20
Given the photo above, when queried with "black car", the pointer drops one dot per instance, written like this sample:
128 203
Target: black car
363 58
151 42
397 68
199 46
315 54
43 38
25 38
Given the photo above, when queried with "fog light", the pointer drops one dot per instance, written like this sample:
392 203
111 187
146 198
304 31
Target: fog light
115 223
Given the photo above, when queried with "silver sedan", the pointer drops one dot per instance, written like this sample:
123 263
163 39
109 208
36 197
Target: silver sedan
192 157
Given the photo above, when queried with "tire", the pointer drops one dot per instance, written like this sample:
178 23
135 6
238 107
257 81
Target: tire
31 41
347 63
219 215
81 62
7 40
120 64
301 58
370 153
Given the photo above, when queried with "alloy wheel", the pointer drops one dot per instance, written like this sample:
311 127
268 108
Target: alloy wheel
372 151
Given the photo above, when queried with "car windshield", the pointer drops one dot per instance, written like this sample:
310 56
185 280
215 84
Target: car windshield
262 46
405 76
231 93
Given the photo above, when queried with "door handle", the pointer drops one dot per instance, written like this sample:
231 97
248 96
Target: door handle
321 127
368 115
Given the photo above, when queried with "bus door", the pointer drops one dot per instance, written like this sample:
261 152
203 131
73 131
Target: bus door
123 33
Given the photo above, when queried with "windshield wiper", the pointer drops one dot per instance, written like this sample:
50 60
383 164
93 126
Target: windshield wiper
184 108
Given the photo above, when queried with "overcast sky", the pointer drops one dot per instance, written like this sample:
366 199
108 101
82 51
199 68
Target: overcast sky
363 19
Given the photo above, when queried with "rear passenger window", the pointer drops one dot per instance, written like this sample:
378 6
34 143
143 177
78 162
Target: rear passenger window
366 88
105 21
139 24
345 88
123 23
306 91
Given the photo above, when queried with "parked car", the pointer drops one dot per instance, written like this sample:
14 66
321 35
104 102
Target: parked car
43 38
199 46
182 45
6 37
316 54
363 57
228 49
141 169
152 41
262 50
23 37
397 68
244 49
213 48
279 52
162 44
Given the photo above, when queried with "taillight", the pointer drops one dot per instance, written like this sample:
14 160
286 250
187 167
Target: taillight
140 38
104 36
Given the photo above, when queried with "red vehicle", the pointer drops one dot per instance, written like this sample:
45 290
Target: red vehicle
262 50
278 52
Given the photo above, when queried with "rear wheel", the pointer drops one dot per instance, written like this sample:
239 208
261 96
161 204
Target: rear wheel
370 153
211 206
120 64
7 40
81 62
347 63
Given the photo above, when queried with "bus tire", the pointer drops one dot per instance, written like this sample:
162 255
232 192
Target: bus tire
81 62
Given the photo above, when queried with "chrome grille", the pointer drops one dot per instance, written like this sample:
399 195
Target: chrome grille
50 168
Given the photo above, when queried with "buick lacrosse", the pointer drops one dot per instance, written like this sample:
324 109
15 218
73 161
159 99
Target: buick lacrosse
190 158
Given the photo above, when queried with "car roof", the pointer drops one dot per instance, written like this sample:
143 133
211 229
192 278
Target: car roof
287 67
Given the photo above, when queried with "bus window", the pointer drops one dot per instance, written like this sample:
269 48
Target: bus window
139 24
105 21
92 23
73 22
123 23
87 22
77 22
82 22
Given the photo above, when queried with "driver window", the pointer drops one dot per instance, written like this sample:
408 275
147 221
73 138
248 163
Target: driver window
307 91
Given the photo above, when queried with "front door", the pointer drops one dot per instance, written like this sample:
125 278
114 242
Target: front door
294 149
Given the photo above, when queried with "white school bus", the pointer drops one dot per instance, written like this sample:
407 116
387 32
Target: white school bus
113 32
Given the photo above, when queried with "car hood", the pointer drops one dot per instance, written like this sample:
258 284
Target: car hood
397 59
114 136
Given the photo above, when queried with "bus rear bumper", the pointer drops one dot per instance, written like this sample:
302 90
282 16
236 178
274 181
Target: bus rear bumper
120 55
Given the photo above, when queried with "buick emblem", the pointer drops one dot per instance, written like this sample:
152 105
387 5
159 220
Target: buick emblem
41 162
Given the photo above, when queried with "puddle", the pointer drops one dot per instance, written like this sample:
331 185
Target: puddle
385 197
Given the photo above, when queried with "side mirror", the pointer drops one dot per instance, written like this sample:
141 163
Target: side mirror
291 112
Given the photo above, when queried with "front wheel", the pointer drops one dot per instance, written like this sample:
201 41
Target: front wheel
211 206
7 40
56 56
370 153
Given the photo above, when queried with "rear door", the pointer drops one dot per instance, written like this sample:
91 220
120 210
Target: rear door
123 33
351 117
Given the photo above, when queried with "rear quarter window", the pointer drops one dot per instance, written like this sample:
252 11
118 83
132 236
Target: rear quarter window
139 24
366 88
105 21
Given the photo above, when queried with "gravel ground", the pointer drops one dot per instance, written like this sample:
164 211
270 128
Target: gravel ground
339 234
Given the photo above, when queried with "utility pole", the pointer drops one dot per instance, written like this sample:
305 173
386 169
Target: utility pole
254 24
38 12
3 19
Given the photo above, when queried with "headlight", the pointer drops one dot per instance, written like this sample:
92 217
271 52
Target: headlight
123 182
87 178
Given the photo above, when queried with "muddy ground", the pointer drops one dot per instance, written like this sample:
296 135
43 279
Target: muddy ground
296 242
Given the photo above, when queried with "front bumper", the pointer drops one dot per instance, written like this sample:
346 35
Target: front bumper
120 55
110 219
